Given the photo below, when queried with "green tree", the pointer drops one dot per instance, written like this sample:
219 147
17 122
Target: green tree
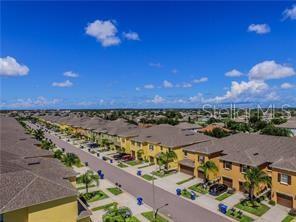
88 178
38 134
115 214
47 145
217 132
206 167
254 177
58 154
274 131
167 157
71 159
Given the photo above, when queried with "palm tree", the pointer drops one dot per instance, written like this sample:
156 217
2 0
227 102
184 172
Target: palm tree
38 134
254 177
71 159
206 167
88 178
58 154
167 157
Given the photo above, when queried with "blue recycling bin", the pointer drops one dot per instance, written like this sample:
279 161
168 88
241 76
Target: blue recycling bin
102 176
139 172
222 208
178 191
99 172
111 161
139 201
192 195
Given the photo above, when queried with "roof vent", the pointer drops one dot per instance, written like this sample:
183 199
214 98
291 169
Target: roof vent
34 162
255 154
190 134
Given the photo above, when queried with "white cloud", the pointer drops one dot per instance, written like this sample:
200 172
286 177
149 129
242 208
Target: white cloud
66 83
197 98
259 28
290 13
270 70
287 85
156 65
243 90
138 88
202 79
157 99
131 36
28 103
10 67
233 73
167 84
149 86
71 74
175 71
186 85
104 31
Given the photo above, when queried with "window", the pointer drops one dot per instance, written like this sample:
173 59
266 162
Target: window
284 178
185 153
138 144
243 168
201 159
151 147
227 165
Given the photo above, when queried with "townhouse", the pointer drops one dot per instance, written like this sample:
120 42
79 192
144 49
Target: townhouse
34 186
236 153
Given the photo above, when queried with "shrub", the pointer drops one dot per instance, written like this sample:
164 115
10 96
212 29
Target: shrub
271 202
292 212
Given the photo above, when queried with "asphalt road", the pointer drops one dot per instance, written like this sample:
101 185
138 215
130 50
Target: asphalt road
179 209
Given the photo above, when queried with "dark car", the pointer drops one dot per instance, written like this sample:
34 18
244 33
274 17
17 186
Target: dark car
118 156
127 158
218 189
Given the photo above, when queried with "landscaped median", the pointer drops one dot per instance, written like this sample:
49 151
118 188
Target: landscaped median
223 196
199 189
122 165
105 207
114 190
162 173
94 196
150 216
238 216
253 207
185 181
148 177
134 162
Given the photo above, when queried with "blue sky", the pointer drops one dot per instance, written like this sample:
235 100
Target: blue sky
147 54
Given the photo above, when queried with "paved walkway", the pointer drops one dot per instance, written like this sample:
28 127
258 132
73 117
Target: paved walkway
179 209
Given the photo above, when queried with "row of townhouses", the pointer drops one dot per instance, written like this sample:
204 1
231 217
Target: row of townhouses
33 184
233 155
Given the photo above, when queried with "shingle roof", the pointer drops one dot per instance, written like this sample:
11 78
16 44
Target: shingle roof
187 126
27 175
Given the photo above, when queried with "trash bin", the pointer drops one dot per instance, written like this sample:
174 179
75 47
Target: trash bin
102 176
99 172
178 191
139 201
86 163
98 154
222 208
139 172
192 195
111 161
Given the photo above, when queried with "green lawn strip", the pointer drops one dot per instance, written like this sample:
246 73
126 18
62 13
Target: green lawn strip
288 218
199 189
83 187
141 167
134 162
94 196
148 177
257 210
223 196
186 193
105 207
149 216
235 216
184 181
114 190
162 173
121 165
132 219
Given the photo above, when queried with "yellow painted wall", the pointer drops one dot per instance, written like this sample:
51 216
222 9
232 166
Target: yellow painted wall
289 190
17 216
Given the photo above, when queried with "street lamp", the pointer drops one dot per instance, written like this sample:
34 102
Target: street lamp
155 213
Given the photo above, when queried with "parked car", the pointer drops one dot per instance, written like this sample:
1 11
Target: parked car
217 189
118 156
127 158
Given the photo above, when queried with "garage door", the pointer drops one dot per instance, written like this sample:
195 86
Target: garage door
187 170
284 200
200 174
227 181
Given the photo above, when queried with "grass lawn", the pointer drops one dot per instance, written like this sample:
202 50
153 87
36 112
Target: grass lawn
83 187
235 216
105 207
115 190
132 219
186 193
288 218
148 177
184 181
149 216
122 165
198 188
94 196
162 173
141 167
257 210
223 196
134 162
